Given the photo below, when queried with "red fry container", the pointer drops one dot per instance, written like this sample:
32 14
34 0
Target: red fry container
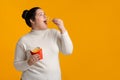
38 52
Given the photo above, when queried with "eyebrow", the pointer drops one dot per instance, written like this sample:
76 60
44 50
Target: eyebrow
41 12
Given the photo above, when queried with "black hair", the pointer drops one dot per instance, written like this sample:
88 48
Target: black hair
29 14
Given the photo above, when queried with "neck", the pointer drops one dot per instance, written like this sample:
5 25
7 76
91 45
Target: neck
38 31
38 28
34 27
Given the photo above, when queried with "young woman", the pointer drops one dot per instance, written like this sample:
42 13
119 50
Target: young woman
51 41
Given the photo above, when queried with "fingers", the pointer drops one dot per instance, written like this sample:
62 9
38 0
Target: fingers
33 59
58 22
55 20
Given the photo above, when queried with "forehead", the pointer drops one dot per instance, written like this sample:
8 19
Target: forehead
38 11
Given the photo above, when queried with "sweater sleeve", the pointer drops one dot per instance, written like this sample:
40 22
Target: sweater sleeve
64 42
20 61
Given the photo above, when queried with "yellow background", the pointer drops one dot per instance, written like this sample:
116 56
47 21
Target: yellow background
93 25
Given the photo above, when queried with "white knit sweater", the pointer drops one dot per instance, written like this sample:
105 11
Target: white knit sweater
52 42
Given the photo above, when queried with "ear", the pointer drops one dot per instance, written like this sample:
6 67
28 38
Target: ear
31 21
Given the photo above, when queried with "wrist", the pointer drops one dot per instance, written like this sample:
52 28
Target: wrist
29 63
62 30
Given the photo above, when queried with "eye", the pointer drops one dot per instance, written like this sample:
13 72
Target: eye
41 14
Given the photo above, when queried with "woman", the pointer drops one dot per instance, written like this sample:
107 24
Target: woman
51 41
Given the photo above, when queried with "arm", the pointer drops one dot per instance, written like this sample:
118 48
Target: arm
63 39
20 61
64 42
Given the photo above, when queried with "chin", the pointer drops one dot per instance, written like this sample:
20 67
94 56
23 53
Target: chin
45 28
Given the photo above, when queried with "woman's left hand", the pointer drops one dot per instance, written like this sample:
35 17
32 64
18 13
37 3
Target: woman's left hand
60 24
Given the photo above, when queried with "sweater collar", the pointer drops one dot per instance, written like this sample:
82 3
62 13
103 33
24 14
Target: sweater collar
33 31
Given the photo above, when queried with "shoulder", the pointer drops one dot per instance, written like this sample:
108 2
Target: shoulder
22 39
54 31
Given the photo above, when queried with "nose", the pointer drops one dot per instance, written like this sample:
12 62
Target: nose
45 16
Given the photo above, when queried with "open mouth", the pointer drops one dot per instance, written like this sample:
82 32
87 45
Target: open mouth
45 21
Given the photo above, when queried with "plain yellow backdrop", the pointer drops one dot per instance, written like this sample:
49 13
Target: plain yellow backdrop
93 25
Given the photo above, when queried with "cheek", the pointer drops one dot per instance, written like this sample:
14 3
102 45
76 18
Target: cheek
38 19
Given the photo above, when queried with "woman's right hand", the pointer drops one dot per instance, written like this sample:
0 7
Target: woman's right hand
33 59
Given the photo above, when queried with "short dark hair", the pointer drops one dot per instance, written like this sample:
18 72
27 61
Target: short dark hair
29 14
